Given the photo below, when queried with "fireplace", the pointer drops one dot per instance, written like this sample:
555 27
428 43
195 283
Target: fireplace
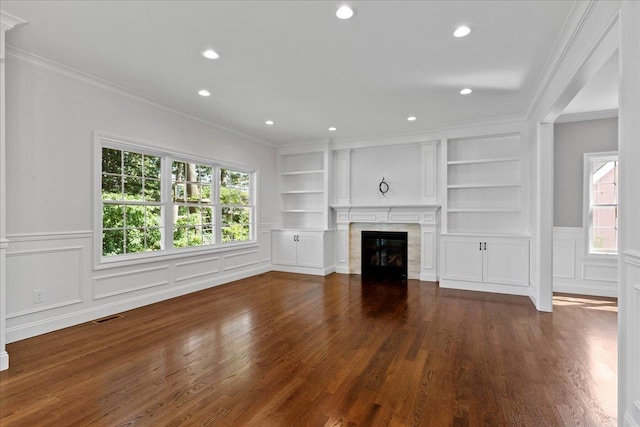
384 254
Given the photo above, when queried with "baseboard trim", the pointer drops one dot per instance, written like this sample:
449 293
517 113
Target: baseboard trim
584 289
4 361
304 270
428 277
33 329
485 287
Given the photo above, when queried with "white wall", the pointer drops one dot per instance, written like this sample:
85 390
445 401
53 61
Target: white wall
51 116
571 141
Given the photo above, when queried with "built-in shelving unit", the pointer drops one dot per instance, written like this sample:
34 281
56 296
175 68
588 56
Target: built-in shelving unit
303 183
484 185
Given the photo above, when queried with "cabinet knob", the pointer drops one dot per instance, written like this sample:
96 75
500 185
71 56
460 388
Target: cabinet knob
480 248
485 246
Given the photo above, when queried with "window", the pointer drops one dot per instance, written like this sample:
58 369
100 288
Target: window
193 210
235 201
131 202
151 201
601 197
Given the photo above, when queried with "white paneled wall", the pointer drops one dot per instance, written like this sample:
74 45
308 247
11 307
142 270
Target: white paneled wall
577 273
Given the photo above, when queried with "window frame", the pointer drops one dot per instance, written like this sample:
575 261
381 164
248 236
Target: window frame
166 158
588 160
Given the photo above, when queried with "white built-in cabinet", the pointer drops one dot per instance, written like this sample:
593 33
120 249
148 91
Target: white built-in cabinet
304 241
299 248
488 260
484 245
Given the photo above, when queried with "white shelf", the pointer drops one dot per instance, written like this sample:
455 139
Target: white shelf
484 210
482 185
478 161
309 172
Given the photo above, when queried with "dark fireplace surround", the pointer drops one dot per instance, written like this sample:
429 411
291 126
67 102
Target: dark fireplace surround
384 254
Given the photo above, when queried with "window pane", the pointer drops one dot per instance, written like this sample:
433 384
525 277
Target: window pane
179 192
177 172
153 216
132 164
152 190
134 216
154 239
605 228
229 178
152 167
133 189
204 173
193 193
234 196
206 194
235 233
112 216
135 239
207 216
112 242
208 235
111 161
235 216
111 187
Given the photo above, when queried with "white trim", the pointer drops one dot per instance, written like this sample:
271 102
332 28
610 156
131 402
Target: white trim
628 420
129 273
590 115
485 287
4 360
306 270
45 308
50 324
195 275
9 21
56 235
54 67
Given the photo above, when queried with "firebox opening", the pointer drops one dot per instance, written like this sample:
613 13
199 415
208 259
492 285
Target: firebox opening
384 254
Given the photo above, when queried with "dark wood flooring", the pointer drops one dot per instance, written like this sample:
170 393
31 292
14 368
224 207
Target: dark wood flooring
293 350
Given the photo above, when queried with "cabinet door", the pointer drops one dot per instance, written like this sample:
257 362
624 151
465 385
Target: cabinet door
310 250
506 261
461 259
283 247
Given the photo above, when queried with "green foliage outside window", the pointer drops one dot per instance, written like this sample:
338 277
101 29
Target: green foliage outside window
132 207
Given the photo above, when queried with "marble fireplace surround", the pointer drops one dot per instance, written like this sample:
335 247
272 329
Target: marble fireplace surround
421 222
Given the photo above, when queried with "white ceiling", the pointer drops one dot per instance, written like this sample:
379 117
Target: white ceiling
294 62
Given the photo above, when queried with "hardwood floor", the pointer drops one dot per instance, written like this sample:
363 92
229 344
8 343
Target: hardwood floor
292 350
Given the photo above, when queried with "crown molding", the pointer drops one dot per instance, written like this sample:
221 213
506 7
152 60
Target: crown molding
57 68
557 56
590 115
9 21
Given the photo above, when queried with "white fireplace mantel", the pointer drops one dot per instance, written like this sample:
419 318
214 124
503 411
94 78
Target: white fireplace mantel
427 216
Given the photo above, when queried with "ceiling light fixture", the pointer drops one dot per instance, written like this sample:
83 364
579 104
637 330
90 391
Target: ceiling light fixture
210 54
462 31
203 92
269 122
465 91
332 129
345 12
411 118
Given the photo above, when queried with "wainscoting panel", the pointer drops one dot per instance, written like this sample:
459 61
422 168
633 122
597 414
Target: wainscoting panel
198 268
109 285
54 272
240 259
636 346
575 273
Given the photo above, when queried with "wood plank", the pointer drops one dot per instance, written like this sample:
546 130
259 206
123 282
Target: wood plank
286 349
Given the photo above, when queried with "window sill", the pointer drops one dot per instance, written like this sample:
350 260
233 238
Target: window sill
603 256
168 255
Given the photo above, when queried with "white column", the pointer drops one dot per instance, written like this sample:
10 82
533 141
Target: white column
7 22
629 191
342 240
342 183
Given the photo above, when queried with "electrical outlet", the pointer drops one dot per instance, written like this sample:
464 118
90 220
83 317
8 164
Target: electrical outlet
38 296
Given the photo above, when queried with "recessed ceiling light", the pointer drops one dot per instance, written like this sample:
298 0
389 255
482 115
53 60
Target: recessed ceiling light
332 129
465 91
411 118
269 122
210 54
204 92
345 12
462 31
